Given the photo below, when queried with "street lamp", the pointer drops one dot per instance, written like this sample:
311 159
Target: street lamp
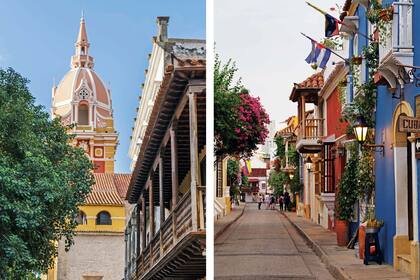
360 129
308 163
291 176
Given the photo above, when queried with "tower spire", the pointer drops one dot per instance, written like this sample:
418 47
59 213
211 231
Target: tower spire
81 57
82 40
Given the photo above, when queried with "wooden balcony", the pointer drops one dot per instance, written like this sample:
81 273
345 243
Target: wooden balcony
309 138
176 249
396 46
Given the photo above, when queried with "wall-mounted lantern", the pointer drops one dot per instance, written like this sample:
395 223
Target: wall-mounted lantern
308 163
360 129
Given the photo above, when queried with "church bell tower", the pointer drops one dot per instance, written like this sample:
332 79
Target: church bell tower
82 99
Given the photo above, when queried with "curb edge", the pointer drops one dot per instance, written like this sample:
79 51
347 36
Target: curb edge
336 271
218 234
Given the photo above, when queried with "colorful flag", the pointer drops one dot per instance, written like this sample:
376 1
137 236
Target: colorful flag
331 23
247 167
331 26
319 55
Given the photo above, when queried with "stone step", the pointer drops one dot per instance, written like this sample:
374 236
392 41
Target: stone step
404 263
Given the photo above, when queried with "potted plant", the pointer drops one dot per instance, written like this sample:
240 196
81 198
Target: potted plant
346 198
343 83
357 60
386 14
373 225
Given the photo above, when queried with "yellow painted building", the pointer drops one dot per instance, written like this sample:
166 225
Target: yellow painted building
82 100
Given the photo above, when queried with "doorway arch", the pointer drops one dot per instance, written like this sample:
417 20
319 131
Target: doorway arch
402 171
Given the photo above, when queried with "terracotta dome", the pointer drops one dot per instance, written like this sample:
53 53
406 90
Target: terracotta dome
81 86
67 89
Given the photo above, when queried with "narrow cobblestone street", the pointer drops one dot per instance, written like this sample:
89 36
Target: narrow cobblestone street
262 244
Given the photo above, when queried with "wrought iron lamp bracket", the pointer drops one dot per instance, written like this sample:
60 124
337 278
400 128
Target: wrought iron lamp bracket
377 148
409 74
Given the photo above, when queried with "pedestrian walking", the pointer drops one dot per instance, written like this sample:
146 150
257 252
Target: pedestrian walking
267 201
259 199
286 201
281 202
272 202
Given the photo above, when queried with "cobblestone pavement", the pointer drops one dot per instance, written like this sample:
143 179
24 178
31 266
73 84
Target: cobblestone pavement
262 244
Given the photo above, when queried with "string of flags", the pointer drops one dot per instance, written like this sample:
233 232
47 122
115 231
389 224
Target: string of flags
320 54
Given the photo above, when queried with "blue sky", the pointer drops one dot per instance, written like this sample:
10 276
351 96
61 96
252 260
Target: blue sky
37 39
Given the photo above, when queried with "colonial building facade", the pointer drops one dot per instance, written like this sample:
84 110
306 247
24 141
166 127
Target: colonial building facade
82 100
397 195
165 237
323 139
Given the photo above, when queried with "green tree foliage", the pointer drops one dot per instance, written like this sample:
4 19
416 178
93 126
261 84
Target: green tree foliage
232 171
280 150
277 180
226 104
293 156
245 181
241 121
42 180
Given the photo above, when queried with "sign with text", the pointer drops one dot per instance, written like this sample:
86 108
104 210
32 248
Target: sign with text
409 124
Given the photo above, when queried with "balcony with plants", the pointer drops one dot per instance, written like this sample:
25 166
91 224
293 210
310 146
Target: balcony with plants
393 30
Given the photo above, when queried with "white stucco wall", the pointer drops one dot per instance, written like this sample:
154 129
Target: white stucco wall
92 255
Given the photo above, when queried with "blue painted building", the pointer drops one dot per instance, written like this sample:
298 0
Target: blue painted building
396 183
396 194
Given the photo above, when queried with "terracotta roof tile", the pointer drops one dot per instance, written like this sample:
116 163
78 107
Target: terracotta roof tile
122 181
258 172
109 189
314 81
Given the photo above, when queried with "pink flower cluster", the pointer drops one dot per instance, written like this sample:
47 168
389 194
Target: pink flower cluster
253 119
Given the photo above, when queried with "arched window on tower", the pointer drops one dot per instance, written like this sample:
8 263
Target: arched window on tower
103 218
83 114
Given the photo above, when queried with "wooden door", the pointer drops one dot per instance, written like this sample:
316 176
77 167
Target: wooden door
409 190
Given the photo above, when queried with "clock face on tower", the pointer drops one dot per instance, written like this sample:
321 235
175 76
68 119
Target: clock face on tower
83 93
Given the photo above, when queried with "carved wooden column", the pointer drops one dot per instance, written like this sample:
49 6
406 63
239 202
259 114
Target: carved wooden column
193 157
138 230
161 202
151 212
143 227
143 222
302 98
174 164
151 219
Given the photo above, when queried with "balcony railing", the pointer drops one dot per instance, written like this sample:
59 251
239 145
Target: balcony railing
310 129
172 230
400 37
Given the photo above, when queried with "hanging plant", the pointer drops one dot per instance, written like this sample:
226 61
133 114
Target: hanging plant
381 17
364 103
348 192
386 14
334 43
357 60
